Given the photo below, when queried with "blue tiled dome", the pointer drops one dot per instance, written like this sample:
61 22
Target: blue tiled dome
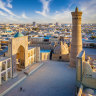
18 34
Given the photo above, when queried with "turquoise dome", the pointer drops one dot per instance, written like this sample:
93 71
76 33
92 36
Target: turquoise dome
18 34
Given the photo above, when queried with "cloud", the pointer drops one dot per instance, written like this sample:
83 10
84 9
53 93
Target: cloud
63 16
89 11
58 16
7 15
2 13
24 15
45 7
9 3
3 7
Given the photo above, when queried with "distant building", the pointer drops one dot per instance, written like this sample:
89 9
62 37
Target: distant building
34 24
89 43
57 24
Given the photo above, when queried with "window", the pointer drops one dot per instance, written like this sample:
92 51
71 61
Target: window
28 54
8 63
31 52
3 65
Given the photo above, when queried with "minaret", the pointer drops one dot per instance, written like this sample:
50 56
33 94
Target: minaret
76 44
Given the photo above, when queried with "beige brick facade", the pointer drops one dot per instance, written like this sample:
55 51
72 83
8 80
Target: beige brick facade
22 56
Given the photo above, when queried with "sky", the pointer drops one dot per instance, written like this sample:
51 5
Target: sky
45 11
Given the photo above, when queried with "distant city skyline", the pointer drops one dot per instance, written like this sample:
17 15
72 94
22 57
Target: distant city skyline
45 11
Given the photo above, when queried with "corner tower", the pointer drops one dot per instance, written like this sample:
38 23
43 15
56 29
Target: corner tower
76 44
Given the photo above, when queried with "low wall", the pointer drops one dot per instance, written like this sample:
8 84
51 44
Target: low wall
80 67
61 57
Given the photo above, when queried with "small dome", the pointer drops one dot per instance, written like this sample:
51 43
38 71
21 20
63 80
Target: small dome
18 34
61 49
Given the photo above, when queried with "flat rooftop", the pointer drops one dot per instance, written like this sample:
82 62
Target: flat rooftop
90 52
3 58
29 48
52 79
45 51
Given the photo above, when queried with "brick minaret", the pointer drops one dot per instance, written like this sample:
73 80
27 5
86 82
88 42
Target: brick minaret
76 44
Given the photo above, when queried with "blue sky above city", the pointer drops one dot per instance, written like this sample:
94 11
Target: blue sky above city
45 11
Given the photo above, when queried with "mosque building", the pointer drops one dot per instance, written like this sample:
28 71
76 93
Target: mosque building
18 57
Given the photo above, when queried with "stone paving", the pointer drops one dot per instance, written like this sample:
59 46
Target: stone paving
54 78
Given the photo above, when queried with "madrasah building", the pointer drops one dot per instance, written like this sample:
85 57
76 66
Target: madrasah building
19 56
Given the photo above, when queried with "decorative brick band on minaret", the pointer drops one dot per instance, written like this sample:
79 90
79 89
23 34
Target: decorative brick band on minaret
76 44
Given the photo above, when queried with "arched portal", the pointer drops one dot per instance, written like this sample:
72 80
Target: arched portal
20 57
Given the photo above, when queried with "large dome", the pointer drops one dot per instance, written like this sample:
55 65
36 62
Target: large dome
61 49
18 34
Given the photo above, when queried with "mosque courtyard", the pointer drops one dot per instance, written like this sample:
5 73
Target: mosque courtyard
54 78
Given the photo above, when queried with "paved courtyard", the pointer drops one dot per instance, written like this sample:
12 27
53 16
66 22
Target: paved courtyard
52 79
